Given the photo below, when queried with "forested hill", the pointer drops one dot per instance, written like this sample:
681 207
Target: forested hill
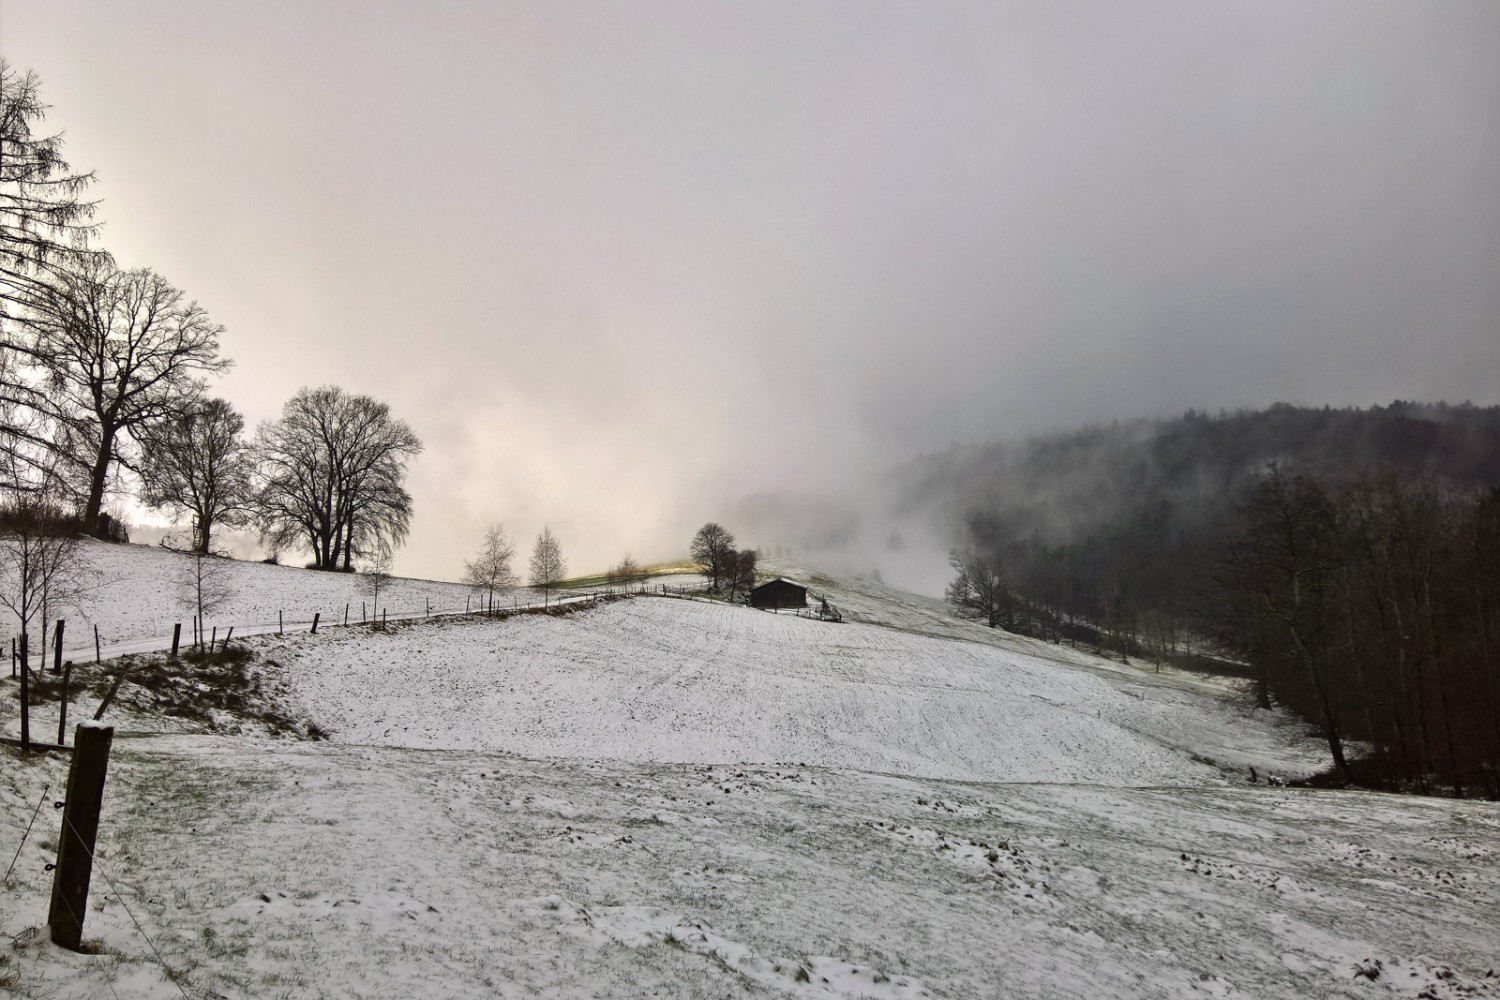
1347 561
1187 474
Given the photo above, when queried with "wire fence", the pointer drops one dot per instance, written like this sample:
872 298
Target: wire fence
90 643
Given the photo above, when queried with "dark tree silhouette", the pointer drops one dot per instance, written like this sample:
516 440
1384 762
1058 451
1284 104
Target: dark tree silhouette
199 464
122 350
331 475
713 550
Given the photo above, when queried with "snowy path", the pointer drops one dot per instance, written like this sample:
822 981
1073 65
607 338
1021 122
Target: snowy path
304 871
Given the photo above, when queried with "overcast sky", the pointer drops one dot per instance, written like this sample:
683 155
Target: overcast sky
618 264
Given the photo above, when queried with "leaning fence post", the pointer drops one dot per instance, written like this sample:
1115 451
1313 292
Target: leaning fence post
109 696
80 828
57 634
346 615
97 658
225 647
176 638
316 616
213 637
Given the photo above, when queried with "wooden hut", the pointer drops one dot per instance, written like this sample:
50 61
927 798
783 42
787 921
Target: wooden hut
779 593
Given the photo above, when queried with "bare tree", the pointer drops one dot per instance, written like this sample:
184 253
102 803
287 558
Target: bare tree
713 550
376 580
490 570
547 566
742 573
980 590
332 475
204 588
122 350
43 567
199 465
626 573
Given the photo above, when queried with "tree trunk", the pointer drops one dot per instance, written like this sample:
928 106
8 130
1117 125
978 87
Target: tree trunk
97 477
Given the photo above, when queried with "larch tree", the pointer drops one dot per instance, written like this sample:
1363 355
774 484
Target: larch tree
122 351
490 570
331 475
44 224
547 566
198 464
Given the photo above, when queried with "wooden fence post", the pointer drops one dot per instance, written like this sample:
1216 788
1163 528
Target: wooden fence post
225 647
97 658
280 625
109 696
176 638
316 616
25 699
62 706
346 615
213 638
80 828
57 639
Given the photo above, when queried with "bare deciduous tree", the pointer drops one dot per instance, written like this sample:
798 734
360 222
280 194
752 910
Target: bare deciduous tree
122 350
980 590
626 573
713 550
742 573
490 570
43 568
331 475
198 464
547 566
204 588
376 580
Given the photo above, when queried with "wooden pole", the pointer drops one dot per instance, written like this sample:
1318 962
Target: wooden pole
346 615
97 658
362 612
80 828
25 698
213 637
13 657
280 625
62 707
109 696
316 616
226 639
382 617
176 638
57 639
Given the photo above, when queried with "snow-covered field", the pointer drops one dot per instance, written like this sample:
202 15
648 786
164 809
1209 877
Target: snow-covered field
671 798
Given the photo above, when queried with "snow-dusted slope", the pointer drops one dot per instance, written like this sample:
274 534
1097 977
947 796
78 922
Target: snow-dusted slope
652 679
246 868
137 596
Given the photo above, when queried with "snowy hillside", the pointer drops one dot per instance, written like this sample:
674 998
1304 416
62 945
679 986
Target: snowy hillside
652 679
676 798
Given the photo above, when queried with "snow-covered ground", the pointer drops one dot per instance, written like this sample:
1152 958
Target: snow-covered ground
671 798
